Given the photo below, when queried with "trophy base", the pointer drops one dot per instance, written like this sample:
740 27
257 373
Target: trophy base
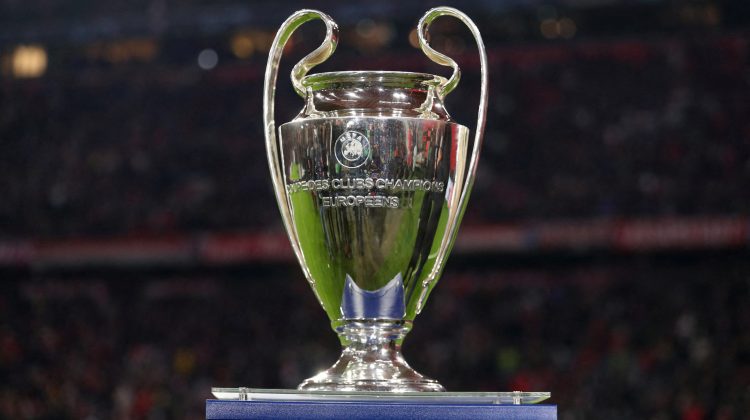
453 398
248 403
427 385
371 360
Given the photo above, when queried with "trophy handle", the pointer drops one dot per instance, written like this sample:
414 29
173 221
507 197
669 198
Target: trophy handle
463 188
299 71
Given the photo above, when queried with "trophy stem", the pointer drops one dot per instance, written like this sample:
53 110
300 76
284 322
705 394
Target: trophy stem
371 360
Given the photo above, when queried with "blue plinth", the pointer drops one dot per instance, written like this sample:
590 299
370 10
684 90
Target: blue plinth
235 410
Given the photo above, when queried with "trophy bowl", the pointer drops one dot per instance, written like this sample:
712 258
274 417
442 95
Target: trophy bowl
372 178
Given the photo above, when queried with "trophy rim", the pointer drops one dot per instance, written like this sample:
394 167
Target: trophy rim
374 78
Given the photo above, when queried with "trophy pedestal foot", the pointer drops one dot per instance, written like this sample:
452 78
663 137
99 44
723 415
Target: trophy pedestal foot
371 360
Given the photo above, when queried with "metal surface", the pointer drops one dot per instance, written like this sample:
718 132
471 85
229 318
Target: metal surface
269 93
372 180
386 216
422 29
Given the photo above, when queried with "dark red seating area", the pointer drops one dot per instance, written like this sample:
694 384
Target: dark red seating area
622 128
610 340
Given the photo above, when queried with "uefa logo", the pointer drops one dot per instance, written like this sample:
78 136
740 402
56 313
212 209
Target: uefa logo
352 149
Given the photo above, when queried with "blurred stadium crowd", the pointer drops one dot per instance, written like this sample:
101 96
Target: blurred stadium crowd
595 129
621 341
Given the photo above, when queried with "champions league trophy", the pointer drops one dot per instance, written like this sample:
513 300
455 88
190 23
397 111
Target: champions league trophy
372 179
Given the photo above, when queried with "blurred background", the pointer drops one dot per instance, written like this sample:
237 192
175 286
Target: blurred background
603 256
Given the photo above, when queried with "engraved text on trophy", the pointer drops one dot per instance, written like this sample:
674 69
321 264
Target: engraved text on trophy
367 192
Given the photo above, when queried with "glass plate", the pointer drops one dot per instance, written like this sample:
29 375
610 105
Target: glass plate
254 394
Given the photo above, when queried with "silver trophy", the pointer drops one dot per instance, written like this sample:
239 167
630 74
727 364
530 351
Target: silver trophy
372 179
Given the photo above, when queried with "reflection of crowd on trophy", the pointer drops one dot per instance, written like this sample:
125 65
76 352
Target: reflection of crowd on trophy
609 342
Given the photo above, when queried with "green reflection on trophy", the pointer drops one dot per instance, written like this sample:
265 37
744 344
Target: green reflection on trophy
372 178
